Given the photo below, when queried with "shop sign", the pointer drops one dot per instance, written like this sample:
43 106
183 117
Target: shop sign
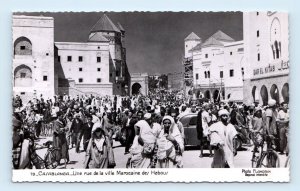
271 68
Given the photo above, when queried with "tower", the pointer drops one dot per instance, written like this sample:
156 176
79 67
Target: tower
191 41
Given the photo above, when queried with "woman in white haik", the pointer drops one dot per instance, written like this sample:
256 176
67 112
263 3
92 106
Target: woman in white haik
222 135
170 145
143 148
98 150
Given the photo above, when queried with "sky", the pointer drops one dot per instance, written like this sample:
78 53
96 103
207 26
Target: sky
154 40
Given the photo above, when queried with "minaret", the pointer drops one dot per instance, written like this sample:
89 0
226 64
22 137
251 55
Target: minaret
190 42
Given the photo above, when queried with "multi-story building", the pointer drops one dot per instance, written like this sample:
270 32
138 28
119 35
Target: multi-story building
217 66
97 66
42 66
33 57
266 54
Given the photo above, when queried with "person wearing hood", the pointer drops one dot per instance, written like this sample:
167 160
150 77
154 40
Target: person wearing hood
60 139
145 143
222 135
169 145
97 149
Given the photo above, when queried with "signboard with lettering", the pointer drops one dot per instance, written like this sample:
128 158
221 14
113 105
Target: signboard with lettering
271 69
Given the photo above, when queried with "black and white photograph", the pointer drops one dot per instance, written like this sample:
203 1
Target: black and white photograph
167 91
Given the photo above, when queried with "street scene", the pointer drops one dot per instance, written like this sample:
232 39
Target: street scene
150 90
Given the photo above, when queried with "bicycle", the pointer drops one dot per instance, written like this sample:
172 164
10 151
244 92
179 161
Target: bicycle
258 142
268 158
49 160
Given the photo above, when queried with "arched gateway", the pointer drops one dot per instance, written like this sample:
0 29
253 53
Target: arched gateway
139 83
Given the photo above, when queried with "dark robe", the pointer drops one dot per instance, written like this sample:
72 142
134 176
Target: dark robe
60 141
199 126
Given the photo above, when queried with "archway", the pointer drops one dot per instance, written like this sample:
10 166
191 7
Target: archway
216 96
253 93
22 76
135 88
264 95
22 46
207 94
285 93
274 92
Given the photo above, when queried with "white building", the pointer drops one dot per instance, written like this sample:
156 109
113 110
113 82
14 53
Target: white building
266 54
97 66
33 59
42 66
217 66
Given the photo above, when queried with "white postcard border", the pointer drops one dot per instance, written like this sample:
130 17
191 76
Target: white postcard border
154 175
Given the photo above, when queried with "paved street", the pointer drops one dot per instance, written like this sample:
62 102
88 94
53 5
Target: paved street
190 157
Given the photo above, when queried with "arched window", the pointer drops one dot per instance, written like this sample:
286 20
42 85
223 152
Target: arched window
264 95
22 76
208 74
285 92
275 38
22 46
253 93
205 74
274 92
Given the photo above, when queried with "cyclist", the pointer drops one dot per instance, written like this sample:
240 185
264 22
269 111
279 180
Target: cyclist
283 123
270 120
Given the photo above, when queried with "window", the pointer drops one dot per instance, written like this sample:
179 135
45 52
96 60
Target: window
69 58
22 46
231 73
80 59
58 58
257 33
206 55
98 80
98 69
230 53
197 76
208 74
80 80
205 74
221 74
110 74
186 45
98 59
23 75
117 73
257 13
47 54
45 78
258 57
80 69
22 93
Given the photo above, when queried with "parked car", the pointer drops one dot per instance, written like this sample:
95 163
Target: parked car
189 122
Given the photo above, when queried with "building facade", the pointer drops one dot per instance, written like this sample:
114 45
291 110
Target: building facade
97 66
217 66
139 84
44 67
33 57
266 40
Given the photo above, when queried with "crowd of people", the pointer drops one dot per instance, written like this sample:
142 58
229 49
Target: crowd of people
149 126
